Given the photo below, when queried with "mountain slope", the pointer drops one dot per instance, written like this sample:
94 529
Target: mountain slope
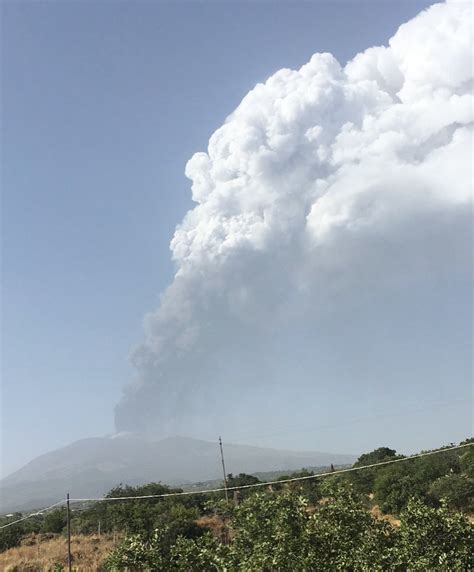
90 467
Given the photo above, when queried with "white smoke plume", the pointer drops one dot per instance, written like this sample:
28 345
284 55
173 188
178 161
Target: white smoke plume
328 255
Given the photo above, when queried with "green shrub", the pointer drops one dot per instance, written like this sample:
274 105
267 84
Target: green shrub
457 490
54 521
434 539
10 537
279 532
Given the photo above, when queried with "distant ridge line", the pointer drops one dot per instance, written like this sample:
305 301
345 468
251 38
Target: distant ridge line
254 485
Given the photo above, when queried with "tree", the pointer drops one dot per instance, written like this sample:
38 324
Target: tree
310 488
137 516
363 481
394 486
10 537
467 462
241 480
54 521
457 490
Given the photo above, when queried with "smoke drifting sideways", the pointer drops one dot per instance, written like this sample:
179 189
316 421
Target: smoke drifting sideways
326 266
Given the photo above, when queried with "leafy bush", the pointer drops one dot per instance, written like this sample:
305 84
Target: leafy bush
457 490
395 484
467 462
203 553
137 516
136 554
345 536
310 488
54 521
241 480
272 532
11 537
434 539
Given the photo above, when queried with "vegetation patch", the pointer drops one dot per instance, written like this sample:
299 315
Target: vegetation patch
410 515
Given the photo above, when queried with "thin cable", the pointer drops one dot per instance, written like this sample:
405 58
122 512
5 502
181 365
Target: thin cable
254 485
292 429
268 483
33 514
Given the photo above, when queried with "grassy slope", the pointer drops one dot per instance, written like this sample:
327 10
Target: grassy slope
39 553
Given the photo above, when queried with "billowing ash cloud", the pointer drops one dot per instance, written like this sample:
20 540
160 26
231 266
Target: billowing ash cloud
326 264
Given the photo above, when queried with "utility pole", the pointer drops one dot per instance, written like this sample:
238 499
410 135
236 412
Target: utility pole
223 470
69 559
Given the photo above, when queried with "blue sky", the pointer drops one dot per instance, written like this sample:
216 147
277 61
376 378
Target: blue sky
102 105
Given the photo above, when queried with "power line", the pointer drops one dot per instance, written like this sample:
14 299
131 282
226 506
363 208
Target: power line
31 515
298 428
290 480
254 485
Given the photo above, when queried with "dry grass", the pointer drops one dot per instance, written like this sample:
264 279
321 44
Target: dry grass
40 553
220 528
379 515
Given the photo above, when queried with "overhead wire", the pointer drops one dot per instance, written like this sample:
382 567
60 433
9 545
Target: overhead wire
291 429
32 514
249 486
277 482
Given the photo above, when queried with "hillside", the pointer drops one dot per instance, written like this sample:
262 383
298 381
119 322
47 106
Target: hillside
90 467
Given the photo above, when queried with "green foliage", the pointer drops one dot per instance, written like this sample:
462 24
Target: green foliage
278 532
270 532
203 553
394 487
241 480
467 462
457 490
395 484
434 539
54 521
434 466
135 516
11 537
345 536
139 516
136 554
363 481
310 488
313 524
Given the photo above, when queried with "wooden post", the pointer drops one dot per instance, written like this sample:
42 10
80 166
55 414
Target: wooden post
69 559
223 470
